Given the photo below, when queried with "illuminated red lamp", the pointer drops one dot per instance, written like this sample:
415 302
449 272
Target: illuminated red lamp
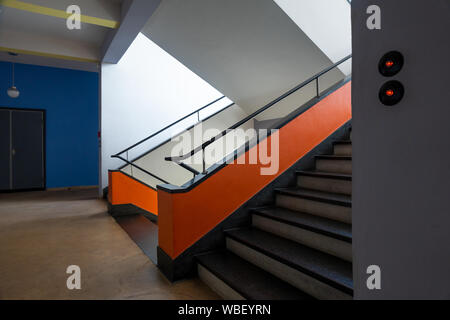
389 92
389 63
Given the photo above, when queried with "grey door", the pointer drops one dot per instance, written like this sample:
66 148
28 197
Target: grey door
22 150
5 147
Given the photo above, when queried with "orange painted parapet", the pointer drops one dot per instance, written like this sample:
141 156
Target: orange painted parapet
125 190
185 217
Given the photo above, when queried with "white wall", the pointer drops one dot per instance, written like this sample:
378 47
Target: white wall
154 162
326 22
147 90
251 51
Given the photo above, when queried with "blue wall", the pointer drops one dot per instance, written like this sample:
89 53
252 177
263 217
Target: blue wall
70 99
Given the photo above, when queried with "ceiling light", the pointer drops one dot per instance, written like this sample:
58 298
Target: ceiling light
13 92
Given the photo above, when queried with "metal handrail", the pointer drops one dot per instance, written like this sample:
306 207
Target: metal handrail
316 77
195 172
167 127
142 169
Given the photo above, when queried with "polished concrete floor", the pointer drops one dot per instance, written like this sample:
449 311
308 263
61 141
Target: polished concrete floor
42 233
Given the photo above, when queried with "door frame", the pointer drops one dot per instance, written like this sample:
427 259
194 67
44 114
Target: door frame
44 147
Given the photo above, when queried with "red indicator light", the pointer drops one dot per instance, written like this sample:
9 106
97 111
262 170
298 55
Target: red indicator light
389 63
391 93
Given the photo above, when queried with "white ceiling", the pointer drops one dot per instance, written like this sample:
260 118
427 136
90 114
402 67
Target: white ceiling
41 25
41 35
106 9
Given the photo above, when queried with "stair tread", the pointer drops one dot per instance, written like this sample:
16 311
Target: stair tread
247 279
327 227
333 198
330 175
324 267
342 142
333 157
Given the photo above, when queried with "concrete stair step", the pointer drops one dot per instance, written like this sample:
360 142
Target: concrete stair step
325 181
334 164
325 235
327 197
342 148
324 204
235 278
334 229
318 274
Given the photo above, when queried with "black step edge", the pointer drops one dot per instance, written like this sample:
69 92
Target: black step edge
342 142
333 282
330 228
248 280
332 157
331 198
326 175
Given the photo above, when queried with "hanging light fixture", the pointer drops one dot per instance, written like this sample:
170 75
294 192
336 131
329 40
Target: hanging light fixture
13 92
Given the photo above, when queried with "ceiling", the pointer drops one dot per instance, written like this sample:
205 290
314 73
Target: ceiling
38 32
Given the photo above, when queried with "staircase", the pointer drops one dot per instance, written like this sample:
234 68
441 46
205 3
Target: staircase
299 248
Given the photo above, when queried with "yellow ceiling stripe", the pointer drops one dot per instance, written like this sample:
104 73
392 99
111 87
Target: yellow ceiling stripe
20 5
48 55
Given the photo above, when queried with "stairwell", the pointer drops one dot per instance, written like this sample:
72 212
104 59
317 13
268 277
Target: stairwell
191 216
298 248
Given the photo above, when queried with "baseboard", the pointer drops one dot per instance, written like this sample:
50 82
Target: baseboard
74 188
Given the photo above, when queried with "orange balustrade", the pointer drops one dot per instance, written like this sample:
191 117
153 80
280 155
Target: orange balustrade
185 217
126 190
